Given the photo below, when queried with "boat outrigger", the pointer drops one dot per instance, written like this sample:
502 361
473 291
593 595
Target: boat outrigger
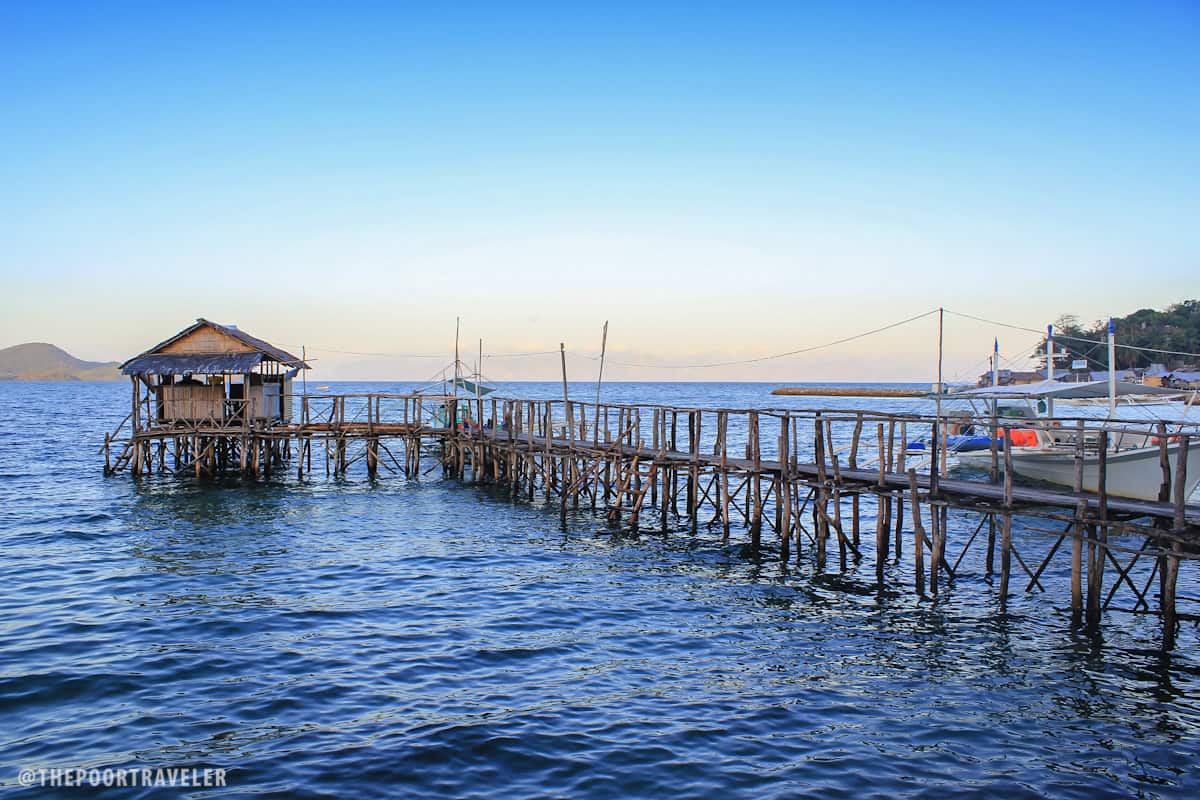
1044 447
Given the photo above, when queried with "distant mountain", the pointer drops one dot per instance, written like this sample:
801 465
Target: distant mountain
38 361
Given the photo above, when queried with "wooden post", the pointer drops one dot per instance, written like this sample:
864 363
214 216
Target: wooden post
1164 464
918 534
1006 521
756 518
881 511
852 463
993 431
836 494
1097 538
1102 479
674 449
1170 618
1179 493
692 449
821 530
783 495
1078 529
655 446
885 462
1171 566
901 467
694 471
723 424
935 446
135 464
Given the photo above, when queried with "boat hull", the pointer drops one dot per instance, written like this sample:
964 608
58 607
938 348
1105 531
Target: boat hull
1135 473
956 444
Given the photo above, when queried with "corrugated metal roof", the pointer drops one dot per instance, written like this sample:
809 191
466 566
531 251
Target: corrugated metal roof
192 363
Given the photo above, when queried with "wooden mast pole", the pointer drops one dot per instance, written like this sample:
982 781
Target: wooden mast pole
562 351
1112 368
937 413
603 348
1050 368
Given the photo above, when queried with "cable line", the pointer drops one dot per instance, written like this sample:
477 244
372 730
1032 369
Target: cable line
777 355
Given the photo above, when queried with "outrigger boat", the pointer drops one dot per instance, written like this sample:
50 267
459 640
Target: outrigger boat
1043 449
473 387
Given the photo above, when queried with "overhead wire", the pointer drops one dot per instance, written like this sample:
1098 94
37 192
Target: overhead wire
521 355
774 356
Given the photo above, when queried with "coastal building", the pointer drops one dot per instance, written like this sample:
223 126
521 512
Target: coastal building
1013 377
1155 375
1183 379
215 374
1127 375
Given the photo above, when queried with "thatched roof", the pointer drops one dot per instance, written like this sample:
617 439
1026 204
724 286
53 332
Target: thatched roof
157 362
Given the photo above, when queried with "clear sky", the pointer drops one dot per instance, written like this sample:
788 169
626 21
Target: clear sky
719 180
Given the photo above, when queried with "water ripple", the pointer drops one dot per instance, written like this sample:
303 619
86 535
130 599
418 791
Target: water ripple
344 639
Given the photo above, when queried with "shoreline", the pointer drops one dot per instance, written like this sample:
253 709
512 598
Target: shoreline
847 391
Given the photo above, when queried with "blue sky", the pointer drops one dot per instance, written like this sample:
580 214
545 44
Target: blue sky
719 180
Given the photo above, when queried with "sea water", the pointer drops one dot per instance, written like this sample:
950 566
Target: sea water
343 638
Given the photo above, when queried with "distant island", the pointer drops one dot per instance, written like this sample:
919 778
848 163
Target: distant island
39 361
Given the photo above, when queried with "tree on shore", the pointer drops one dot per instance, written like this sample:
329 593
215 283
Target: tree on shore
1175 328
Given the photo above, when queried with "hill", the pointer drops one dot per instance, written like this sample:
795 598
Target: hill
1176 328
38 361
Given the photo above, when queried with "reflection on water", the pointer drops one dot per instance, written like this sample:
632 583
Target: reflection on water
351 639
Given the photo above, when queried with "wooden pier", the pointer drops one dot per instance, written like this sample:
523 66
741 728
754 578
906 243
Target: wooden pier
833 487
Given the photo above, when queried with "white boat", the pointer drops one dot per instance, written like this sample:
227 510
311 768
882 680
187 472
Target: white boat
1047 451
1134 473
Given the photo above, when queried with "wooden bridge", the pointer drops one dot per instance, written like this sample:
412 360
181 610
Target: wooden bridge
790 483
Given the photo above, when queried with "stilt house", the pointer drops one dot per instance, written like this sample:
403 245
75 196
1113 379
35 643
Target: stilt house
210 374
